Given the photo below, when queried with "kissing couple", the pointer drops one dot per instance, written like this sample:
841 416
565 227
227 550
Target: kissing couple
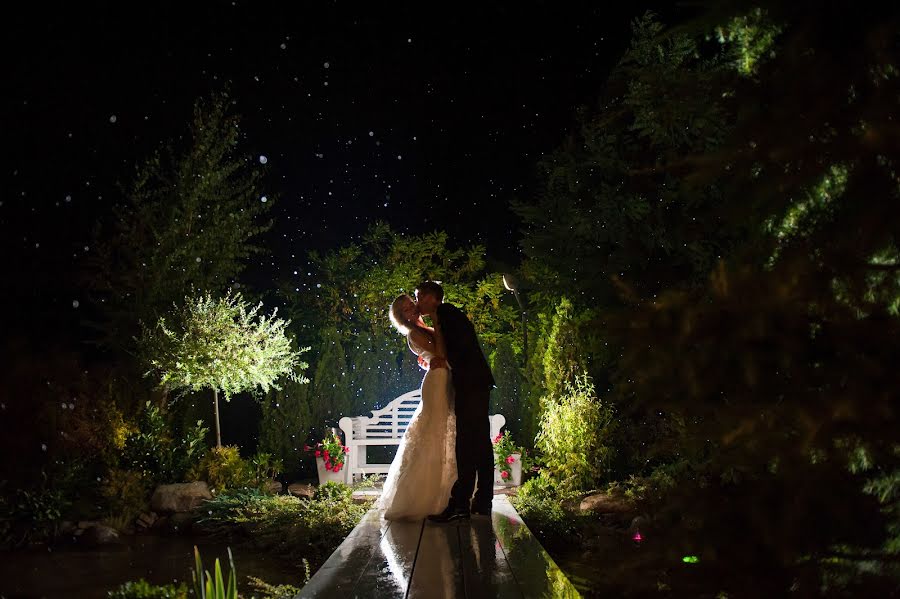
447 446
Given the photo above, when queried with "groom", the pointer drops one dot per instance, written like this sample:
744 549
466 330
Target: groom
472 382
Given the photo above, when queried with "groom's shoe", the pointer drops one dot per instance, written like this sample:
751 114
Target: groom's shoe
449 515
481 510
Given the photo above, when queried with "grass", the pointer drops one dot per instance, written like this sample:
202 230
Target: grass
284 525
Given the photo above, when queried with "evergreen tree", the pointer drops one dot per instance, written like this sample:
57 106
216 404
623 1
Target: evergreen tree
186 224
731 213
331 398
506 397
285 424
366 379
559 353
355 285
610 210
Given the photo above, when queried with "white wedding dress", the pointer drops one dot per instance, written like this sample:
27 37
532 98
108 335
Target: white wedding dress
424 469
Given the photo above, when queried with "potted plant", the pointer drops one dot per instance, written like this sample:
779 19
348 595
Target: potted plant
330 454
507 460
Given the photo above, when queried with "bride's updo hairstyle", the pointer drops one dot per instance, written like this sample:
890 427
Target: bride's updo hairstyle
396 314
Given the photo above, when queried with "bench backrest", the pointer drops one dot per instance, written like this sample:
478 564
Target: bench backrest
389 422
385 427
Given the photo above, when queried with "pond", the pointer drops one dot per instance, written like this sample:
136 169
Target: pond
611 562
76 573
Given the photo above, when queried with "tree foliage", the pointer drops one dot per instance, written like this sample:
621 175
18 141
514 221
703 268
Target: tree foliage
223 344
187 222
285 423
729 210
347 298
615 203
507 397
331 383
575 434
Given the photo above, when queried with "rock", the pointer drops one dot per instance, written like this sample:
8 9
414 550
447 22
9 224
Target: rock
365 495
98 534
601 503
67 527
639 522
179 497
147 520
302 490
274 487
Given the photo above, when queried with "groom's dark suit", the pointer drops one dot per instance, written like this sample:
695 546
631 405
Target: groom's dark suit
472 382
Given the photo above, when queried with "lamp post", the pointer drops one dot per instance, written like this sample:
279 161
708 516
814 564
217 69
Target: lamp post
508 283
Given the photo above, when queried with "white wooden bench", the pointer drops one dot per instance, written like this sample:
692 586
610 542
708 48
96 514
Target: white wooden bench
385 427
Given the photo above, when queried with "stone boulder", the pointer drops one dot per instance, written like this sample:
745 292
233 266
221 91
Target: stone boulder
99 534
179 497
67 527
365 495
602 503
302 490
274 487
641 522
147 520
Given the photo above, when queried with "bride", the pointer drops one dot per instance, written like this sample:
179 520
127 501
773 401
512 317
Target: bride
424 469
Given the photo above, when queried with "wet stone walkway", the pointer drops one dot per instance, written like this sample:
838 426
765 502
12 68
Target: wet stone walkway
481 557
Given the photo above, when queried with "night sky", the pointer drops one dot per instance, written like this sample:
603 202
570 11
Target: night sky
425 119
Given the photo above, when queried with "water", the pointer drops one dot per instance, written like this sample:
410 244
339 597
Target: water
612 565
77 573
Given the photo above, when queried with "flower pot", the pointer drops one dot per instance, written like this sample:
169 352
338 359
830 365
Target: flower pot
328 475
515 478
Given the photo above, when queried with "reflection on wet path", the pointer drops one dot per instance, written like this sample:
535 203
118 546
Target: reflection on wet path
484 557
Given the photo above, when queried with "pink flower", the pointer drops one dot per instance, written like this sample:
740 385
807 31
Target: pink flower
498 437
504 474
318 453
346 450
326 453
306 448
510 459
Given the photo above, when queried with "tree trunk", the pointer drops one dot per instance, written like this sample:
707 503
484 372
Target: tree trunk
216 412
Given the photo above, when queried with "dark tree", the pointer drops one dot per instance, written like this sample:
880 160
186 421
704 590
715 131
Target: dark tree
331 399
507 397
285 423
732 210
187 223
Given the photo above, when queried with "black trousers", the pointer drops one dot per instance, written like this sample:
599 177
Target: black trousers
474 451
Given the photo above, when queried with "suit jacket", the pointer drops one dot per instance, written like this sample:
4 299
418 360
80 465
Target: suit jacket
469 366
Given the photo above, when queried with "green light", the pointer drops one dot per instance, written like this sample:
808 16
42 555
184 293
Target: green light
690 559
